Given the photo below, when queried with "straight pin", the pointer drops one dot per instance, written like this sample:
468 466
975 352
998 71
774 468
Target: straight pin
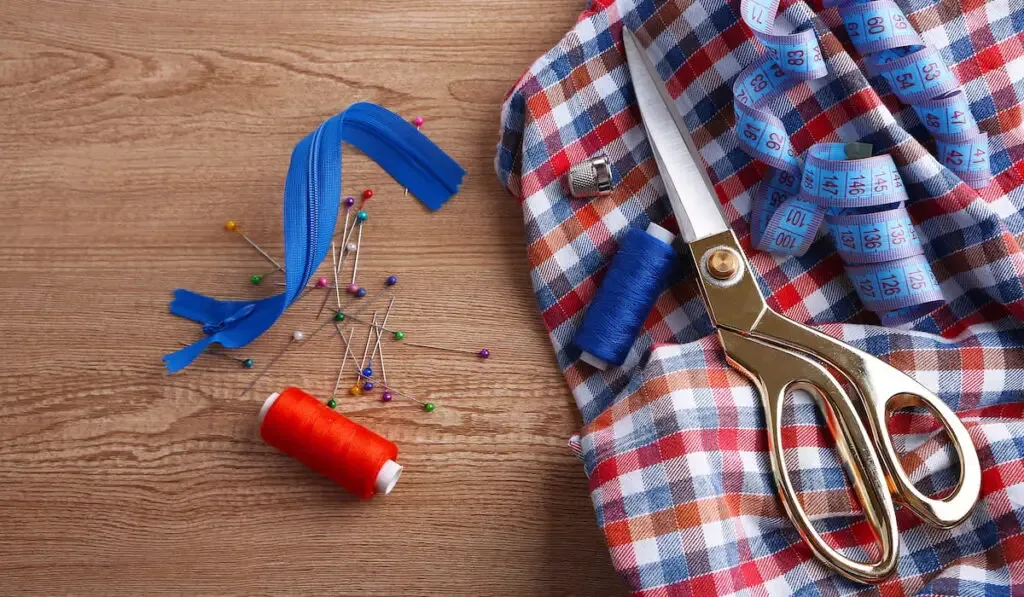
360 218
366 349
378 348
348 350
320 283
346 232
357 389
344 360
232 226
400 335
387 315
348 248
247 363
482 353
427 406
334 271
323 304
372 325
383 369
418 123
377 295
297 336
349 202
341 315
257 279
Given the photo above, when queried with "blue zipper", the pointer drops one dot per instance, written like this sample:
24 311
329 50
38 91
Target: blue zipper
411 158
313 204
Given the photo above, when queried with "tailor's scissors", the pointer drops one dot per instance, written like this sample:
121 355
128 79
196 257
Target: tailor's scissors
781 356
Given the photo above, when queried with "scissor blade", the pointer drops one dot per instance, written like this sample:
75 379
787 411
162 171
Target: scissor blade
686 182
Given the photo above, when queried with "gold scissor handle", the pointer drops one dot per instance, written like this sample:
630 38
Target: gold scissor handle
884 389
777 351
771 369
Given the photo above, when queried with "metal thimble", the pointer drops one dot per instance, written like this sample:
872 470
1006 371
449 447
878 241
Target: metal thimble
592 178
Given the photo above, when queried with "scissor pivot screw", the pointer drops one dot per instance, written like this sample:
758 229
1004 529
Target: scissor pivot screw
722 264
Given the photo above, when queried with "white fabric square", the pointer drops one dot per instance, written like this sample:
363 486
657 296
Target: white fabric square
714 533
646 551
631 483
566 257
698 463
622 427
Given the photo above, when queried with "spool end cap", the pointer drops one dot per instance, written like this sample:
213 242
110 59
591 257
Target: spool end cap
387 477
660 233
593 361
267 404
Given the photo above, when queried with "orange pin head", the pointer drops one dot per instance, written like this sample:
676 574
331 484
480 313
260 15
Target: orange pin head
230 226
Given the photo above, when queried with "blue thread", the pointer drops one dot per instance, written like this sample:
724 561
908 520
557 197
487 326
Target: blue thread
635 279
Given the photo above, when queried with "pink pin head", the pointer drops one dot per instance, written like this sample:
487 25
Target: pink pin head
321 283
418 121
352 288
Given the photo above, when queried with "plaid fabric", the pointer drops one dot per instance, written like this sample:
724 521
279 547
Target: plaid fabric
674 443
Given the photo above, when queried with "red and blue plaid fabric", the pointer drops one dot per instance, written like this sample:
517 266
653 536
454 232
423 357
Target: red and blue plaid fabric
673 442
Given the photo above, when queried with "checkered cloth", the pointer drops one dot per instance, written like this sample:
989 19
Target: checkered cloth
674 442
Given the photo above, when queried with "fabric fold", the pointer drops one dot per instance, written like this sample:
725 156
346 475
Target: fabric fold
674 440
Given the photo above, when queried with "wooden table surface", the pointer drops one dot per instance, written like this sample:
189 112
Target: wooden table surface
132 129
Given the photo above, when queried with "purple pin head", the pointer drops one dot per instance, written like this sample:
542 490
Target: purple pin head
350 201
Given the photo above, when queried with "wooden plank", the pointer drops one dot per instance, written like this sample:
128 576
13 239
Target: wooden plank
132 130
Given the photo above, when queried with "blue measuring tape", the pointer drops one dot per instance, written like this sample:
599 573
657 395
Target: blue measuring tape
872 230
782 222
312 193
873 237
859 197
919 77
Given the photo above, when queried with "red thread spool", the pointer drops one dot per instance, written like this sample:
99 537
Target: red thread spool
347 453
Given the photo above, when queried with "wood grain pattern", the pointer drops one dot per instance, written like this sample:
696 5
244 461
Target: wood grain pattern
131 130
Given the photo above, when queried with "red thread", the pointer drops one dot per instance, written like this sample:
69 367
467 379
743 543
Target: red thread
347 453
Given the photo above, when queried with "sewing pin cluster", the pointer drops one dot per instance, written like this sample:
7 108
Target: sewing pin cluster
368 372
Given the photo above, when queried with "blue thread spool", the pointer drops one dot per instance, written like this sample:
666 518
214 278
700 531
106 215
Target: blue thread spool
635 279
